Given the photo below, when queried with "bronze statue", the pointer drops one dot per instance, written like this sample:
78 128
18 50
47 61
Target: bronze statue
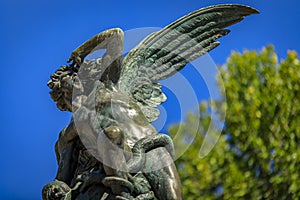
110 150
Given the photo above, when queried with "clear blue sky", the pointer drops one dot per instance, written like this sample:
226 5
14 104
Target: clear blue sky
37 37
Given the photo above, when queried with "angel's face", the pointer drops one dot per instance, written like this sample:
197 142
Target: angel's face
62 85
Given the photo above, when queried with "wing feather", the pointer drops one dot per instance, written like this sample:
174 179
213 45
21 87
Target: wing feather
165 52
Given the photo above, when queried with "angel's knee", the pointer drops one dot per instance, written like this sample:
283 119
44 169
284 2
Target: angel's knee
115 135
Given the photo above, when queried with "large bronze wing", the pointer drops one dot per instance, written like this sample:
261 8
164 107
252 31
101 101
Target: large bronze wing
163 53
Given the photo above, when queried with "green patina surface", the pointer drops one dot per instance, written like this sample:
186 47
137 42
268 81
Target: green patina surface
110 149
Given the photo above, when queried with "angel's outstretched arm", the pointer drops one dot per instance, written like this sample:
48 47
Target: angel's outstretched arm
112 40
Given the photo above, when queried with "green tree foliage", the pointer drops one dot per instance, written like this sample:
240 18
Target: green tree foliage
257 155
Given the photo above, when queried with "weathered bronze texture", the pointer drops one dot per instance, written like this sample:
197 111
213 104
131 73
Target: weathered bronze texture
115 99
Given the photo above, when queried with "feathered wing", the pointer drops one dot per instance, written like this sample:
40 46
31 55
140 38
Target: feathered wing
163 53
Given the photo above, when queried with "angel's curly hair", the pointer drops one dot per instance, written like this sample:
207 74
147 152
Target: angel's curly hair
63 81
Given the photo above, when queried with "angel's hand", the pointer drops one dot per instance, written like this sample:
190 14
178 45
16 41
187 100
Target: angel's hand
75 59
56 190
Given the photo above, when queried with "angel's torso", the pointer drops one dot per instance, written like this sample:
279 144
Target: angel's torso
113 108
